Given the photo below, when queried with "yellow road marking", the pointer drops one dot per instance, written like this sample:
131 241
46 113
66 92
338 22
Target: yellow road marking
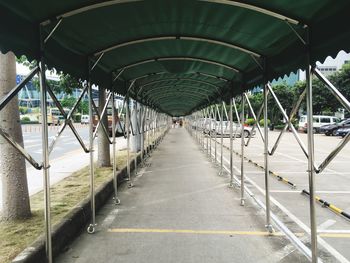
335 235
189 231
218 232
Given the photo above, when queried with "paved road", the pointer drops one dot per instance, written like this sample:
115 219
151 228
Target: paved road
63 159
290 162
180 211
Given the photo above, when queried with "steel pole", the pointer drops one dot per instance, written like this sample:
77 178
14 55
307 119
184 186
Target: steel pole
136 135
311 169
115 178
215 135
127 124
91 227
210 130
231 143
45 153
148 133
207 120
266 162
142 133
242 150
222 139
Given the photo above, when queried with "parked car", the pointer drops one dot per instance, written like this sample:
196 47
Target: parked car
85 119
331 129
236 129
318 121
343 131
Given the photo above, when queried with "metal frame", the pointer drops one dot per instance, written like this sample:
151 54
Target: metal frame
203 60
67 119
143 85
115 178
221 115
198 73
45 149
231 143
89 7
242 150
186 38
175 86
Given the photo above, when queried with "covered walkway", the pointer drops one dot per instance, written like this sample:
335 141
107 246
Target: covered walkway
180 210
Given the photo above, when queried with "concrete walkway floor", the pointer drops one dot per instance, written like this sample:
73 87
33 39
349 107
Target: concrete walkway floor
180 210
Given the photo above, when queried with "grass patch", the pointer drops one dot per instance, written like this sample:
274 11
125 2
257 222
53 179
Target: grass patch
65 195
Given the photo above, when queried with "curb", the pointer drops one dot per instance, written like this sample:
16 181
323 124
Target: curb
329 205
73 223
279 178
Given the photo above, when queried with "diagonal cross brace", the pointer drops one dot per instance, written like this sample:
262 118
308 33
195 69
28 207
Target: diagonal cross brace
340 97
254 117
258 118
67 119
6 99
99 117
291 126
288 122
20 149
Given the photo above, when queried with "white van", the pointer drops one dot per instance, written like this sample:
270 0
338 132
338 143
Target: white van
318 121
85 119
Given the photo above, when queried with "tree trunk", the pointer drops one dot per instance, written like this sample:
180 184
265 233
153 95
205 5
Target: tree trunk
15 196
104 158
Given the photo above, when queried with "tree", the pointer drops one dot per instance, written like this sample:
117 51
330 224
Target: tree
104 158
286 95
15 196
68 102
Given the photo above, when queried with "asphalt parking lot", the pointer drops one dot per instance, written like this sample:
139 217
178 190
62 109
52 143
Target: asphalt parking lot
289 161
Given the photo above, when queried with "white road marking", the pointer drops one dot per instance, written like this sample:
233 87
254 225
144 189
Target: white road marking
317 192
326 224
321 241
109 218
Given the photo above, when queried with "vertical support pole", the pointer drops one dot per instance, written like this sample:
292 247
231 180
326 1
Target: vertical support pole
91 227
215 134
127 124
210 130
242 150
222 139
136 135
266 162
231 143
311 158
115 178
148 132
142 133
146 120
207 125
45 152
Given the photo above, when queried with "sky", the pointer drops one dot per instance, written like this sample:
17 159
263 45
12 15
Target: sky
338 61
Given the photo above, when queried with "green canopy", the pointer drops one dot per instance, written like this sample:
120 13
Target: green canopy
179 55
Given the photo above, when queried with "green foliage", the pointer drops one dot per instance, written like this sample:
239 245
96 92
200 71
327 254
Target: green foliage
68 102
83 107
261 122
67 83
25 119
23 110
279 127
250 121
